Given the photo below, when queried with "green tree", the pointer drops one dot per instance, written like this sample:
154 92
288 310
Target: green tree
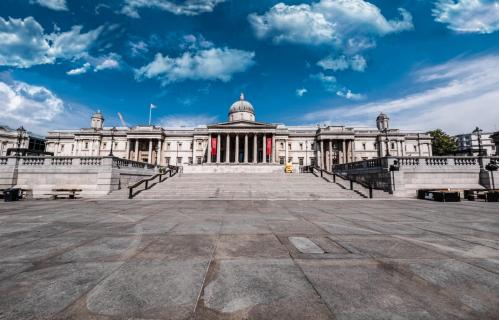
442 143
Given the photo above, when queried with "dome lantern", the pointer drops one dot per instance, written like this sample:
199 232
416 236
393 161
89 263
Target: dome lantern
241 110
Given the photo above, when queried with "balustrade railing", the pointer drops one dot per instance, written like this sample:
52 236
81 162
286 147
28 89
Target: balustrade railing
3 161
33 161
62 161
91 161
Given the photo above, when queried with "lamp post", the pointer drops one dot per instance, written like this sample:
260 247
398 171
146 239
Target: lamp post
20 136
478 132
113 130
385 131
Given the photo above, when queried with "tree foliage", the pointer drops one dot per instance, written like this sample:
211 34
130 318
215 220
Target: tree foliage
442 143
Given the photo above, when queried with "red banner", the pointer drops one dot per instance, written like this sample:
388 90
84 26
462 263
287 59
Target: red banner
214 146
269 146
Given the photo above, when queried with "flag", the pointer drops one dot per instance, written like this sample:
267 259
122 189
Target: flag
152 106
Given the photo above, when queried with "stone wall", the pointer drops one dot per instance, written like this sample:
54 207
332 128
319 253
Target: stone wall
413 173
96 176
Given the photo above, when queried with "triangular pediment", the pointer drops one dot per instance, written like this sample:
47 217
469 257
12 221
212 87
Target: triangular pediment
243 124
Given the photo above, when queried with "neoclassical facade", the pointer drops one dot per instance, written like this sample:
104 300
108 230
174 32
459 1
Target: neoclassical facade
240 141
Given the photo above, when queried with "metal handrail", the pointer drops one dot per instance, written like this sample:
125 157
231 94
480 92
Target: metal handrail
171 171
346 178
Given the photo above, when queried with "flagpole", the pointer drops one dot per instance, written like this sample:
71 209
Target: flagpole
150 114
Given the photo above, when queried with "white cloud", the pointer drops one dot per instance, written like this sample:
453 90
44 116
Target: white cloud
334 22
25 44
468 16
329 82
58 5
189 121
186 7
356 63
301 92
78 71
210 64
108 63
28 104
459 95
348 94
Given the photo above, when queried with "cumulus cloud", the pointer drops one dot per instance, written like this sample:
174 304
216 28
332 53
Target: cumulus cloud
25 44
83 69
108 62
301 92
468 16
27 103
356 63
333 22
187 7
188 121
455 96
210 64
348 94
58 5
329 82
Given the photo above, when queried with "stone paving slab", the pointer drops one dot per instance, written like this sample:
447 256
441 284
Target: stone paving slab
155 259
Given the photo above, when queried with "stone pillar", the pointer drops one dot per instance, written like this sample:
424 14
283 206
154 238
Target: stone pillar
158 154
91 148
430 150
149 154
127 152
246 148
286 156
255 148
208 158
264 149
402 148
227 149
321 165
218 148
344 149
237 149
273 150
136 155
352 149
330 155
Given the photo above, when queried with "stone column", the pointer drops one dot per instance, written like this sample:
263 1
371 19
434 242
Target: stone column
208 158
246 148
149 154
344 150
352 150
330 155
127 152
274 150
227 149
136 155
255 148
158 155
218 148
92 147
321 165
264 149
237 149
286 156
402 148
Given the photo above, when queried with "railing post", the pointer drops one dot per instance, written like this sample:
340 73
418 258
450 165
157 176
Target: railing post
334 177
351 184
147 184
370 191
130 193
322 172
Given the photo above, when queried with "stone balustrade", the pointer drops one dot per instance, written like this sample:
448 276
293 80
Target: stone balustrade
404 175
94 175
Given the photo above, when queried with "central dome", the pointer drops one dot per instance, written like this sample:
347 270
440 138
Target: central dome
241 110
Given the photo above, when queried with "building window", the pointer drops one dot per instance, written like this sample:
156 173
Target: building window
282 145
312 161
116 145
167 160
179 160
86 145
301 146
300 161
191 145
62 147
168 146
281 160
200 160
200 145
190 160
375 146
289 146
104 145
179 145
312 145
415 148
392 146
363 146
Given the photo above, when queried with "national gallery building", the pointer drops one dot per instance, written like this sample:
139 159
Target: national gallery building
240 141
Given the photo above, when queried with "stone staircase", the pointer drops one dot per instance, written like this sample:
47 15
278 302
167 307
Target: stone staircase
244 186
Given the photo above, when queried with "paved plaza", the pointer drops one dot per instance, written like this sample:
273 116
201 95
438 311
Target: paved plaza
222 259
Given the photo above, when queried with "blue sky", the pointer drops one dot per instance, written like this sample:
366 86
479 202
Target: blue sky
427 63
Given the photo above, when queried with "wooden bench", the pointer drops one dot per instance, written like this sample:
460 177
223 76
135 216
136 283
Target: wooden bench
69 193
